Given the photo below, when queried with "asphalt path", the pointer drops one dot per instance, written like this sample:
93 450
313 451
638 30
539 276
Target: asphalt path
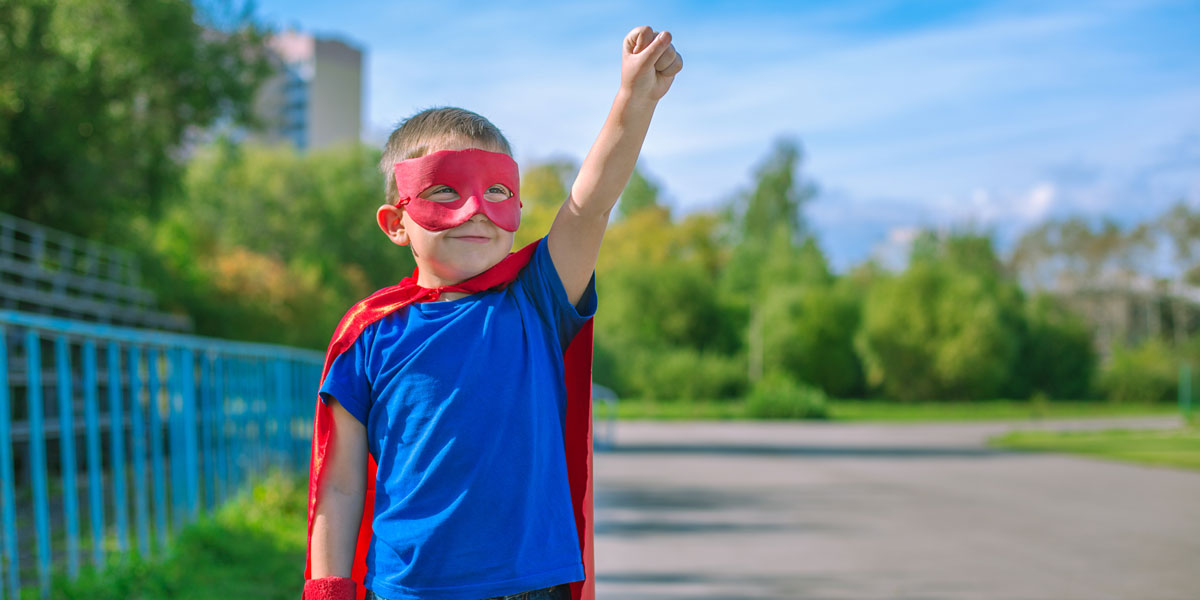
840 511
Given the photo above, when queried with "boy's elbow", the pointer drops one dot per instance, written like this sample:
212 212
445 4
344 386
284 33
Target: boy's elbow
588 210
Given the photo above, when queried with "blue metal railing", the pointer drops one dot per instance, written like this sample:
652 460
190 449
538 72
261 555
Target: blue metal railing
186 421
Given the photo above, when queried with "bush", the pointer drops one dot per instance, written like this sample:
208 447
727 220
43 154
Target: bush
780 397
683 374
1146 373
808 333
1057 357
948 328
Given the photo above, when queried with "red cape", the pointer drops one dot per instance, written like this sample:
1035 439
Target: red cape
577 360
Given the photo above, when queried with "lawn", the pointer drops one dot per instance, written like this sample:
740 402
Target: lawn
1172 448
253 547
883 411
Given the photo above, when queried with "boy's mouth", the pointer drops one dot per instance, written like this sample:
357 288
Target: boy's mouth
474 239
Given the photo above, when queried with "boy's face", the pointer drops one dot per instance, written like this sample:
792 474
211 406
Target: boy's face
448 250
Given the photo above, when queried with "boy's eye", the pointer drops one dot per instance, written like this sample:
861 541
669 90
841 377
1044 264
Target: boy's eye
440 193
498 193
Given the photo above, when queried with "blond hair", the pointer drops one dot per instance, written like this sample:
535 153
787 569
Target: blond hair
417 135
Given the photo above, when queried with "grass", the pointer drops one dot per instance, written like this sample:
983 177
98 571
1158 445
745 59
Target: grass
885 411
253 547
874 410
1173 448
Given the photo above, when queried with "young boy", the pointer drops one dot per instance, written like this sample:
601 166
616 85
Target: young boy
452 382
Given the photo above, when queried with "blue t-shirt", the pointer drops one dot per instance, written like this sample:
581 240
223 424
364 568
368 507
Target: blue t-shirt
464 406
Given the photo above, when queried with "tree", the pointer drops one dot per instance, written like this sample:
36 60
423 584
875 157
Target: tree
544 187
949 327
770 231
809 336
271 245
96 98
1182 228
640 193
662 317
778 196
1057 357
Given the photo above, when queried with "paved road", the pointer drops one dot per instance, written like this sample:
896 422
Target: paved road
746 510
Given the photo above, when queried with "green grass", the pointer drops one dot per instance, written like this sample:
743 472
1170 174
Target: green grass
884 411
1173 448
253 547
873 410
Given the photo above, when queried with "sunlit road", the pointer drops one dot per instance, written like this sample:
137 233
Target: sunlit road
872 511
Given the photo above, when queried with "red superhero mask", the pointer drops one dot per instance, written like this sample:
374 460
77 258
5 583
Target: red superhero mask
470 173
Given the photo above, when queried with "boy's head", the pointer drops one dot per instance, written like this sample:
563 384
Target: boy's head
449 247
436 129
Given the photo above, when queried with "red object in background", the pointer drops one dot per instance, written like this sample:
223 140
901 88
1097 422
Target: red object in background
578 363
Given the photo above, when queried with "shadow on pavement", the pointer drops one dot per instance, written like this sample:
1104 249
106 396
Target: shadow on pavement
820 451
663 586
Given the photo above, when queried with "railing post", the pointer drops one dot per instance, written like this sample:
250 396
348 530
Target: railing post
95 487
156 451
37 451
66 442
187 375
116 439
7 485
222 426
137 432
206 398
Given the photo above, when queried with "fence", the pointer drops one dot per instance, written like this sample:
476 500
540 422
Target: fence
169 425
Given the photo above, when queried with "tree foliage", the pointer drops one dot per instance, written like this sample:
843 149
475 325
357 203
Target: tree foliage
948 327
641 193
96 99
267 244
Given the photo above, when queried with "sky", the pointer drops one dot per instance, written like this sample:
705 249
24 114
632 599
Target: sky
992 116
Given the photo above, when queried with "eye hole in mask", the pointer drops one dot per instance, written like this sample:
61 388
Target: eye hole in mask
444 193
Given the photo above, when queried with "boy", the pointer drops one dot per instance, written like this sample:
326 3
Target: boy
453 380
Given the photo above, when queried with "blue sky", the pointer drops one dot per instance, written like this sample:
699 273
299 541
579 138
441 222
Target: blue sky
994 115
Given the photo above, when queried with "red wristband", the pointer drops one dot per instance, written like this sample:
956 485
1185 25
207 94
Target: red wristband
330 588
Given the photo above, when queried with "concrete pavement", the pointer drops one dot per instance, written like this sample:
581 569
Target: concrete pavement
783 510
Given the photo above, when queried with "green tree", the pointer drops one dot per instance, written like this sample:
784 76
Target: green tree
809 335
664 331
778 196
949 327
271 245
640 193
768 244
1057 356
97 97
544 187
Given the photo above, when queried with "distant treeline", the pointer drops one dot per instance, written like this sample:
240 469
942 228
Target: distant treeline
271 245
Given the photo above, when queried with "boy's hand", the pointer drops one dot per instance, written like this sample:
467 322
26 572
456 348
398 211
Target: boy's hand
649 63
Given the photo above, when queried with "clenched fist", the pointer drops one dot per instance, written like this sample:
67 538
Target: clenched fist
649 63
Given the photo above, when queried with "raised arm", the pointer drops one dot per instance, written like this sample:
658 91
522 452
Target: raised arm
649 63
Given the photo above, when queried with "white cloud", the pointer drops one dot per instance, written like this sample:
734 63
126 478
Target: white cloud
1035 204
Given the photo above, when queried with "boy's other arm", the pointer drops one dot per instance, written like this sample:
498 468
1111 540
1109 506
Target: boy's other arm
340 497
648 67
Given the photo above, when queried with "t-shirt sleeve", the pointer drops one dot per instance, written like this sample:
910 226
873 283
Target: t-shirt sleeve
545 289
347 381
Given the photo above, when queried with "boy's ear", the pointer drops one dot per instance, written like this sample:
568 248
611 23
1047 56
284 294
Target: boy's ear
388 217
